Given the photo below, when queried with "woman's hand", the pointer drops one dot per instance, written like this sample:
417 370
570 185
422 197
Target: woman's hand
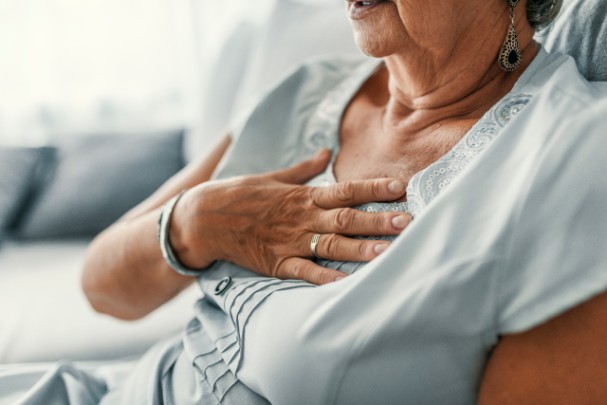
266 222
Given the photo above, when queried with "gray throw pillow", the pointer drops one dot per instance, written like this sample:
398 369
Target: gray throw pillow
18 178
20 171
580 30
97 179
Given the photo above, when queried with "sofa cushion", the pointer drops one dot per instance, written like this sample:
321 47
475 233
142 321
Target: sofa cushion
96 179
45 316
18 174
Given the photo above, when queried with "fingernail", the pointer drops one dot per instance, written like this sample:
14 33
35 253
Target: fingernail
396 187
339 278
379 249
400 221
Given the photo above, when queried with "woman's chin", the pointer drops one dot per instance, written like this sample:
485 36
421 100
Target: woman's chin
376 25
377 45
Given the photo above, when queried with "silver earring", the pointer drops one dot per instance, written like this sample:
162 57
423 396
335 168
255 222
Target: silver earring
510 54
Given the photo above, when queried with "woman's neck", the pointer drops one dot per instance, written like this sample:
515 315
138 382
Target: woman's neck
436 89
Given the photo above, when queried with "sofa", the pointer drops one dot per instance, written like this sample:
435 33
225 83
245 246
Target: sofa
56 198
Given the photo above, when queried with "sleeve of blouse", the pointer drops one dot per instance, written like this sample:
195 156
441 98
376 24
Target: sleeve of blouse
558 247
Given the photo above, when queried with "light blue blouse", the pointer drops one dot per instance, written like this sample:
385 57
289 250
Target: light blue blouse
485 255
508 233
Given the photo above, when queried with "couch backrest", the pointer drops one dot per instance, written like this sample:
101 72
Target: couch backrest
580 30
259 52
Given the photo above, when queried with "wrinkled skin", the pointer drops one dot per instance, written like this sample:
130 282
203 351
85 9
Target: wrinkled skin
266 222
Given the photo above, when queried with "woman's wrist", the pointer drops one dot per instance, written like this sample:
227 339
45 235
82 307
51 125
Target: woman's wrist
174 243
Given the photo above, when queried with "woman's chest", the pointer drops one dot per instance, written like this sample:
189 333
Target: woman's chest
370 150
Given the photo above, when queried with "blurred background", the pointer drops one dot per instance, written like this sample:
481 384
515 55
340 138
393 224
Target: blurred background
75 67
101 101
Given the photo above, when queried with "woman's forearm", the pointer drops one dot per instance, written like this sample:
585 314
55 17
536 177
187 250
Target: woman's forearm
124 273
260 222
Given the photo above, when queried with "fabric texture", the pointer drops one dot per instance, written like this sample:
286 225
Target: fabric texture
96 179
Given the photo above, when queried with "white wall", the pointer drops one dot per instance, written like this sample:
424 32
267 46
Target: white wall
73 66
100 65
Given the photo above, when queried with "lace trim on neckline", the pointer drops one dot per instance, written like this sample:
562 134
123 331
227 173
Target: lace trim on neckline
428 183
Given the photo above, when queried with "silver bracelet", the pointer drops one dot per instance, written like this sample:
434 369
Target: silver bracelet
164 226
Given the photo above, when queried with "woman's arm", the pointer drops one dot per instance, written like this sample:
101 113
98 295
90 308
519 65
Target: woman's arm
124 272
261 222
563 361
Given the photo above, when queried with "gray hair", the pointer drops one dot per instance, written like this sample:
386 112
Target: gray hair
541 13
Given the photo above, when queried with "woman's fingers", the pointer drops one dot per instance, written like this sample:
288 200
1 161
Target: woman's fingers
266 222
341 248
358 192
304 171
304 269
350 221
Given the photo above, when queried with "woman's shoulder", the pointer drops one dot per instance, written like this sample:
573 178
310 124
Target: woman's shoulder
315 78
560 216
308 82
271 134
559 96
559 73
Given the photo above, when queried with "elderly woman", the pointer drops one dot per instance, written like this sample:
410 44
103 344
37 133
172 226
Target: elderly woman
492 294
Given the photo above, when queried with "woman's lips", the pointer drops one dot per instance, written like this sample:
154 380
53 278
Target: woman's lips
358 9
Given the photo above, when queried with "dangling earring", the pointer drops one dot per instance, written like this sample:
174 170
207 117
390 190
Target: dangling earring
510 55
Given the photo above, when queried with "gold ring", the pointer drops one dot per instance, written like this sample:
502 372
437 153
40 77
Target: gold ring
314 243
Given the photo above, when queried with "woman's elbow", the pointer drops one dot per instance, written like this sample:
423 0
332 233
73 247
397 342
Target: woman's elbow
102 300
104 293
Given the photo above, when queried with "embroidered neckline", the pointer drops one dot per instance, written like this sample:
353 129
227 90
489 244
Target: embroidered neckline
429 182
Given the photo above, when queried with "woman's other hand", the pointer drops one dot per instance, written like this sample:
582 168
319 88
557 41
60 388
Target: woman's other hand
266 222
